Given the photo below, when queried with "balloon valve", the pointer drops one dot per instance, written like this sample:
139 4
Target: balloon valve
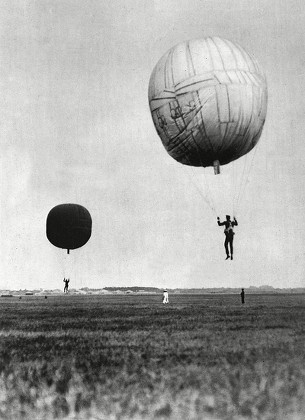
216 167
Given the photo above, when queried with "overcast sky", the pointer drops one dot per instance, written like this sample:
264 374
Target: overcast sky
76 127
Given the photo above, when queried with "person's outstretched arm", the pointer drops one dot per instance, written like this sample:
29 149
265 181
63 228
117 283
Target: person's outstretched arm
220 223
235 222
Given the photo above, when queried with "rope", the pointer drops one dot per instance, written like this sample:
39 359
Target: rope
251 165
240 184
207 198
247 176
234 185
209 193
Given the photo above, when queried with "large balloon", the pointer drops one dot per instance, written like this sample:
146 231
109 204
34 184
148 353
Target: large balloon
208 100
69 226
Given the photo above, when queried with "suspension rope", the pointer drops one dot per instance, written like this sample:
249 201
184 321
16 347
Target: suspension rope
246 178
206 197
250 169
240 184
234 186
209 193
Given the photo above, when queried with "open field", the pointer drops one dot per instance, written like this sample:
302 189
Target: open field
130 357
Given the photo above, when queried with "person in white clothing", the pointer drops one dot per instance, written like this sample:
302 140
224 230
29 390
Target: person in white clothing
165 296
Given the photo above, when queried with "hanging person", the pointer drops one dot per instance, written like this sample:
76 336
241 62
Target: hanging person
229 233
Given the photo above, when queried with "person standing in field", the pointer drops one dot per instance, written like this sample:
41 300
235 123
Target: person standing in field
66 288
242 295
229 225
165 296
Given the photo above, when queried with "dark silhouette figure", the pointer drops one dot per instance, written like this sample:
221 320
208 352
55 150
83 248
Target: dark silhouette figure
242 295
66 288
229 225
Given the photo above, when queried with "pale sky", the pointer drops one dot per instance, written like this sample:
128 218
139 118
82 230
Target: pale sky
76 128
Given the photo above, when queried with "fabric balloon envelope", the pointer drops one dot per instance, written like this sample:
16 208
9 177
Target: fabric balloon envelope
69 226
208 100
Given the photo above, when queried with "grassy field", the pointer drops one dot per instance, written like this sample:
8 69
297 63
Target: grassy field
130 357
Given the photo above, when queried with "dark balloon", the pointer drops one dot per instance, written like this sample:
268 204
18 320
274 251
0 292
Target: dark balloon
69 226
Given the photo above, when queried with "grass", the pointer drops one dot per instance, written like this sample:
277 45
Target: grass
130 357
